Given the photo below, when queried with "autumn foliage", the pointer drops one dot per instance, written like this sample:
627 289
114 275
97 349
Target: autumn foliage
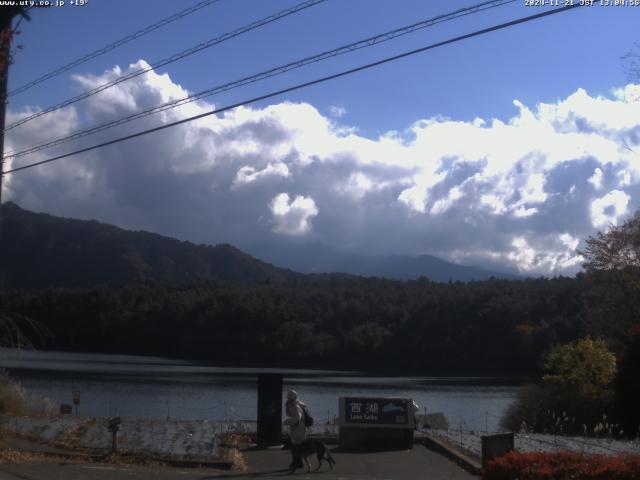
562 465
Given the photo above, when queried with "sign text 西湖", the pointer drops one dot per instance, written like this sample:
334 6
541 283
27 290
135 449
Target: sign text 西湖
376 411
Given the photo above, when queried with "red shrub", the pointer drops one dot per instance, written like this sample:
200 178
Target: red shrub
562 466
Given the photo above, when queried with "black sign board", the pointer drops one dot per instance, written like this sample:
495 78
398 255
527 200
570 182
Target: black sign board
76 397
65 409
394 412
496 445
114 422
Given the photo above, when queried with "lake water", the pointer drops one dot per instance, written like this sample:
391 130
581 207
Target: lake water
160 387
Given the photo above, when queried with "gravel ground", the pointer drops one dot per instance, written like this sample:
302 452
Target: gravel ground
534 442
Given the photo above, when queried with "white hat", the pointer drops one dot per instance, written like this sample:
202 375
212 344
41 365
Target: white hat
292 395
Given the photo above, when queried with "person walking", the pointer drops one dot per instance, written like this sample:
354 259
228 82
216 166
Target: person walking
297 428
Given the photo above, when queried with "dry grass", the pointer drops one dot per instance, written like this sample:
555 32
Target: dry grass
72 437
9 455
14 400
230 445
239 463
70 443
12 396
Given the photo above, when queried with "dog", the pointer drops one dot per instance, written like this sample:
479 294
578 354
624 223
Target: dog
307 448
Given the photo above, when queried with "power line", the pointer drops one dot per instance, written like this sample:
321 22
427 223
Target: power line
173 58
305 84
112 46
368 42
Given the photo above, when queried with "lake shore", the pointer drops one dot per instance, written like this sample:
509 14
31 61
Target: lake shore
203 440
149 387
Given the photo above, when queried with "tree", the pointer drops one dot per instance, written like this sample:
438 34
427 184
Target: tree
612 283
619 248
584 367
574 396
626 386
19 331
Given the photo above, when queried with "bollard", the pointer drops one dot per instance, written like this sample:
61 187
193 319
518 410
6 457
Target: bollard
269 409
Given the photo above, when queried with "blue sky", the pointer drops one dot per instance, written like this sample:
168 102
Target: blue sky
538 62
414 112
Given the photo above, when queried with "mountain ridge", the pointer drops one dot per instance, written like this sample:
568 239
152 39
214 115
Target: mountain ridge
40 250
326 259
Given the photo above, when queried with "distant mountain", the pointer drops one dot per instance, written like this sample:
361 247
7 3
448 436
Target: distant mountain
321 258
39 250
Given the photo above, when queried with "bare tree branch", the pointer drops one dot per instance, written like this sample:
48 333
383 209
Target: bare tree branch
616 249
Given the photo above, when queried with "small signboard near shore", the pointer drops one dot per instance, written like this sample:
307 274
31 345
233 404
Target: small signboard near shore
376 422
390 412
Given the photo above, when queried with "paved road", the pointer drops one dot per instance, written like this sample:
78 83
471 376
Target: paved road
418 463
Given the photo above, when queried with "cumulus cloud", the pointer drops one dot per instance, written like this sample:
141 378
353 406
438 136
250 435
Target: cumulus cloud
249 174
337 111
596 179
292 217
517 194
608 209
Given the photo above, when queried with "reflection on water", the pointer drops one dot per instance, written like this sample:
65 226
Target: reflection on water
160 387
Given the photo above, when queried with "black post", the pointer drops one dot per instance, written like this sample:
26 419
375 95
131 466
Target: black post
5 59
269 409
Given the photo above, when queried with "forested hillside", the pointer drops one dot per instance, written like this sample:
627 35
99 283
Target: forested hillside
218 304
495 326
41 250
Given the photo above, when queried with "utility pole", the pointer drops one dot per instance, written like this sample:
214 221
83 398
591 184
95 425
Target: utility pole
6 17
6 33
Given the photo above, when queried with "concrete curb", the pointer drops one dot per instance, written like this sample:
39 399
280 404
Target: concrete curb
437 445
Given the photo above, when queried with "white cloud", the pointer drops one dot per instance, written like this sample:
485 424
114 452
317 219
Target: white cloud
292 218
596 179
522 212
553 254
513 194
522 254
569 241
609 208
494 203
625 178
249 174
445 204
337 111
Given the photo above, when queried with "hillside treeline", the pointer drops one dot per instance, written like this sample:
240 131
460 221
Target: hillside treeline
488 327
